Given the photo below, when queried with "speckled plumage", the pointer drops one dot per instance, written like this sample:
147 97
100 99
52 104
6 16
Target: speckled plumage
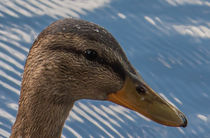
56 74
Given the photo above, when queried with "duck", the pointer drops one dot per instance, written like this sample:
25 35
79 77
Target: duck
74 59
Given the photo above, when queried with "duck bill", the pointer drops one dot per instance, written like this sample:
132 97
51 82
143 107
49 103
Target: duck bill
138 96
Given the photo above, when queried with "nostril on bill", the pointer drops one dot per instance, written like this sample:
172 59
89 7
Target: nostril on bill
141 89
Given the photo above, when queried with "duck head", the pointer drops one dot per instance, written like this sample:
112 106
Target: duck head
74 59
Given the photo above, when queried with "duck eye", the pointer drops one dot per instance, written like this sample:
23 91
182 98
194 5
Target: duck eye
90 54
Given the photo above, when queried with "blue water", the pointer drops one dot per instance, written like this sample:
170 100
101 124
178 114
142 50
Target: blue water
168 42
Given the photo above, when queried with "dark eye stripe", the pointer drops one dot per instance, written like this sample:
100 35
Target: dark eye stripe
115 66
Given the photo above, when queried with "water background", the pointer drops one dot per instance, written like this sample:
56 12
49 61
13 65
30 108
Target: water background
168 42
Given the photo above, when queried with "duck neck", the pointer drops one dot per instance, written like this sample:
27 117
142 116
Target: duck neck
40 116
